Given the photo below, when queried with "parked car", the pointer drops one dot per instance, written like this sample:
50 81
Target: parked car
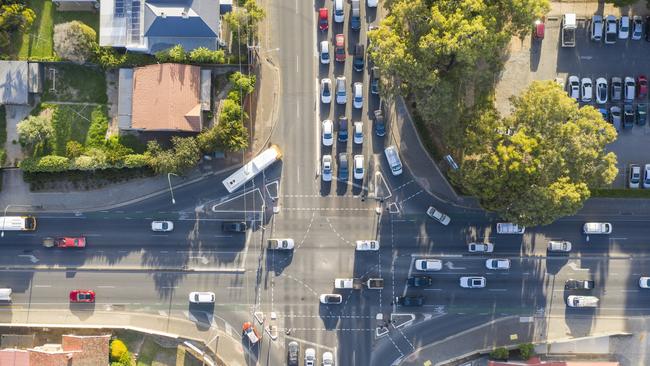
359 54
343 166
280 244
641 114
438 216
617 89
374 80
324 52
358 167
582 301
310 357
328 357
597 228
82 296
480 247
538 29
162 226
647 28
472 282
615 117
559 246
628 116
327 168
630 88
358 95
596 28
357 136
343 129
380 124
420 281
372 3
199 297
339 12
644 282
601 91
234 226
330 299
497 263
624 27
642 87
339 47
326 90
293 353
586 89
635 176
341 92
323 19
409 300
355 15
611 29
510 228
428 265
248 329
574 87
367 245
572 284
328 133
646 176
637 27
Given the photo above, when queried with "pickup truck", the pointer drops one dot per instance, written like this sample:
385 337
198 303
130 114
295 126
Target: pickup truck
65 242
356 283
579 284
569 30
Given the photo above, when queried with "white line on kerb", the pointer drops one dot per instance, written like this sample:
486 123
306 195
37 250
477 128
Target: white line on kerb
317 129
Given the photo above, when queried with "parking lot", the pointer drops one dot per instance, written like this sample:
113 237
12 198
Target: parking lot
545 60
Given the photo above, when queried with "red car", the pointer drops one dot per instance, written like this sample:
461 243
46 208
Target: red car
642 85
339 50
82 296
323 19
65 242
538 30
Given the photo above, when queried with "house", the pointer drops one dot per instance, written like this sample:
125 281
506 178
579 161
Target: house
73 351
18 80
153 25
163 97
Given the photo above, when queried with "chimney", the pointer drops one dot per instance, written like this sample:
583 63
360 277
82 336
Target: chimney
163 15
185 15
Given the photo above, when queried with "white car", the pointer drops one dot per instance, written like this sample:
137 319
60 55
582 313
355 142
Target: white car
310 357
327 168
624 27
330 299
574 87
324 53
339 12
366 245
611 29
358 167
597 228
201 297
438 216
601 91
328 133
637 27
644 282
428 265
497 264
559 246
280 244
646 176
162 226
358 133
480 247
326 90
635 176
341 93
586 90
358 95
372 3
596 28
472 282
629 88
328 359
582 301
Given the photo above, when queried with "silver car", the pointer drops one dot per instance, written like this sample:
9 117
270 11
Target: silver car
586 88
341 93
617 89
327 168
601 90
574 87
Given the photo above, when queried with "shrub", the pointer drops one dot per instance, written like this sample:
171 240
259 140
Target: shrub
73 149
74 41
135 160
35 129
245 83
526 350
208 141
500 353
175 54
205 55
96 135
53 163
117 349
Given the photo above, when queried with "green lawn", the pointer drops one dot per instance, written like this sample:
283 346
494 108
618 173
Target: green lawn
70 122
89 18
75 83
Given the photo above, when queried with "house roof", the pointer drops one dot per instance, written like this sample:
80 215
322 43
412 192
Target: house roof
166 97
163 20
14 82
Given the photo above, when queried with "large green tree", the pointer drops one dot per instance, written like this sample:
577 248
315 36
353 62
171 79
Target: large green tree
35 129
539 163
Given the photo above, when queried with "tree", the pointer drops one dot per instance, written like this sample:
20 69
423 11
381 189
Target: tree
16 17
73 149
500 353
540 163
232 135
242 82
231 111
526 350
117 349
186 153
74 41
208 140
175 54
35 129
96 135
243 20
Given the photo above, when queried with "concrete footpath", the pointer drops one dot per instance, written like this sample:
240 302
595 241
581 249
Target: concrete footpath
219 340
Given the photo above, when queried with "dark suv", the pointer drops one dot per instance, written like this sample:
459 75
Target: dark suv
579 285
343 166
409 300
343 129
420 281
359 52
293 354
234 226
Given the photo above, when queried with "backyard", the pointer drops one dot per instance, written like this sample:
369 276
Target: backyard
74 83
37 42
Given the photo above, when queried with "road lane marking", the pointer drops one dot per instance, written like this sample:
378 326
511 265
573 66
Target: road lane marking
35 286
432 289
497 289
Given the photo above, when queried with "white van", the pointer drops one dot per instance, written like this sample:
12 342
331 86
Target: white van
5 294
582 301
509 228
393 160
597 228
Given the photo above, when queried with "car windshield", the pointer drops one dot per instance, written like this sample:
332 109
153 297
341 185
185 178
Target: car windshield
83 296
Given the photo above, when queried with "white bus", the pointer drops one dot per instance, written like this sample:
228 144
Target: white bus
17 223
251 169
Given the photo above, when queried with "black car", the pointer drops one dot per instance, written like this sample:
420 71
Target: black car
628 116
409 300
380 124
420 281
374 80
343 129
234 226
579 284
641 114
293 354
343 166
359 52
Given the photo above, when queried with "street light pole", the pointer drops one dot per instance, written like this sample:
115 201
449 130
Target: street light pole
170 186
4 218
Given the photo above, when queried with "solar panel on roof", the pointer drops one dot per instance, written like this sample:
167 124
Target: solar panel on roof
135 21
119 8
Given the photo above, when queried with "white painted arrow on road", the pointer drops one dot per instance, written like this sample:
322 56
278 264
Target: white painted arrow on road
450 265
31 257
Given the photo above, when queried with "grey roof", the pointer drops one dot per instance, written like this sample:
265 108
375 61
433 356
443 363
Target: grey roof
202 19
14 84
125 98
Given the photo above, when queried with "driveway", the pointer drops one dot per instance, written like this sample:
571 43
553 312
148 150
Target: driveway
15 114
